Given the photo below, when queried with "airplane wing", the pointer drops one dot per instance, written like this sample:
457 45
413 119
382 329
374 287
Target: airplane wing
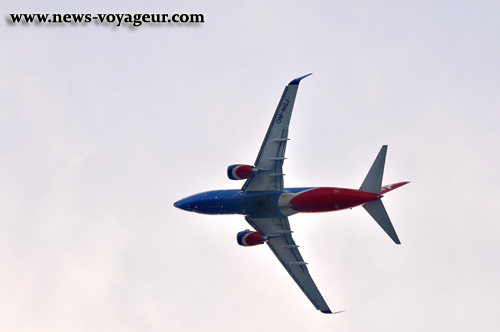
284 247
270 159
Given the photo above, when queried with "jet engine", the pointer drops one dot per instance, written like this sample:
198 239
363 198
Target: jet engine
241 172
248 238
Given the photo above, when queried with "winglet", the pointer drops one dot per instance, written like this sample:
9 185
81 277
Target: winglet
330 312
298 79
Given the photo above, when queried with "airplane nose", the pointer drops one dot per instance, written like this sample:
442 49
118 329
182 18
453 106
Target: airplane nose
177 204
180 204
191 203
184 204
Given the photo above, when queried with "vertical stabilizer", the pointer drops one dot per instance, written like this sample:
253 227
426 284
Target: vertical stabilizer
373 180
377 210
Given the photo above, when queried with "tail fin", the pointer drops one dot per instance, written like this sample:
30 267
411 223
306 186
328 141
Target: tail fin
377 210
373 180
373 184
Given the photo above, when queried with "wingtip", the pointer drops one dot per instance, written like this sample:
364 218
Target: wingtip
330 312
298 79
338 312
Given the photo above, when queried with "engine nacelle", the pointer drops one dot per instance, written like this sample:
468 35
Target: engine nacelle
249 238
241 172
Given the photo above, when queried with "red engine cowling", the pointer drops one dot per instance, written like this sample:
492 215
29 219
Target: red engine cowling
241 172
248 238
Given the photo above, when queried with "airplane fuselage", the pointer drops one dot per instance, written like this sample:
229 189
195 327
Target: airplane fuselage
263 204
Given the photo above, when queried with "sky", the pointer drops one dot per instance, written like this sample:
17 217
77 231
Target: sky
103 128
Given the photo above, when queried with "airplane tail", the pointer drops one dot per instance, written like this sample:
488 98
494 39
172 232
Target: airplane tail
373 180
377 210
373 184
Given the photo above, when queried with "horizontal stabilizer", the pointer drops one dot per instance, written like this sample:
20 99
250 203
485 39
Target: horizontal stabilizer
386 189
373 180
377 210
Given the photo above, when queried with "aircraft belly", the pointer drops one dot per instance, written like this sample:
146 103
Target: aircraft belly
262 204
329 199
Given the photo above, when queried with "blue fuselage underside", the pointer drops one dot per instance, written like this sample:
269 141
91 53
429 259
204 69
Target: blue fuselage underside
262 204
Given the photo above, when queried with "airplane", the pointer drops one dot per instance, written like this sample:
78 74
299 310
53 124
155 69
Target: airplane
266 204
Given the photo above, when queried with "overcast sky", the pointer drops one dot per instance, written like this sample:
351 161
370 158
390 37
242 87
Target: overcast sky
102 128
